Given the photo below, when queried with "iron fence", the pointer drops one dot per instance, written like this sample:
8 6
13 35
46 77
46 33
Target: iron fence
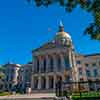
82 88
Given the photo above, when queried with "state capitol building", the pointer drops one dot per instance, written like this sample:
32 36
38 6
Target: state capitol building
54 61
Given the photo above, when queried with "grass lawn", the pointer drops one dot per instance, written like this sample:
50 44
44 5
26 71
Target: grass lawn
85 98
4 93
87 95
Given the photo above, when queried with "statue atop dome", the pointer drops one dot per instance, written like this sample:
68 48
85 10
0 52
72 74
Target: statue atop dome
61 27
61 24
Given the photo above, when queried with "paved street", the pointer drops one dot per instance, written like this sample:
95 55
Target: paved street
39 96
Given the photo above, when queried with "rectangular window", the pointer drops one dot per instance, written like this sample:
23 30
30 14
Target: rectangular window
86 65
80 71
95 72
94 64
78 62
67 62
99 62
35 82
88 73
7 78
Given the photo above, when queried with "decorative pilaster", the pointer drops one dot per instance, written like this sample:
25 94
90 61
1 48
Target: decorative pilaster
75 74
70 58
62 61
73 59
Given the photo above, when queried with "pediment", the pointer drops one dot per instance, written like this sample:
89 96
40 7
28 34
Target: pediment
46 46
53 44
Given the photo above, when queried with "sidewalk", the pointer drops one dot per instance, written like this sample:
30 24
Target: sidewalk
33 96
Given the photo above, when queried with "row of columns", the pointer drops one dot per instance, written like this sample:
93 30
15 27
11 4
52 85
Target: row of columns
55 66
47 82
48 64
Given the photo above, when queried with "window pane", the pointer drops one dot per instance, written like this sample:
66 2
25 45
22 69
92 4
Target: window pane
59 63
94 64
88 73
80 71
78 62
86 65
66 59
95 72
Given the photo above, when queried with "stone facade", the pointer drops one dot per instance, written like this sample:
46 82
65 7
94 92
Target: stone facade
25 74
52 62
89 68
11 75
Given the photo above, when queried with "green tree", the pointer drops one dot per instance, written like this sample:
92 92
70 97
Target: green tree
92 6
2 75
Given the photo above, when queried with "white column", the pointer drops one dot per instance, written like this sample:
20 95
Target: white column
41 64
47 63
39 82
47 82
32 82
55 63
54 82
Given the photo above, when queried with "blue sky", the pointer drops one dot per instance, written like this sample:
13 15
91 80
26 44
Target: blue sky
24 27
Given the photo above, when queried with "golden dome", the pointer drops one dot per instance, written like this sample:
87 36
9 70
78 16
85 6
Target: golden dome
61 32
64 34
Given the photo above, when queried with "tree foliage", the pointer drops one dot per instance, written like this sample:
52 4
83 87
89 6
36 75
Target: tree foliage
92 6
2 75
